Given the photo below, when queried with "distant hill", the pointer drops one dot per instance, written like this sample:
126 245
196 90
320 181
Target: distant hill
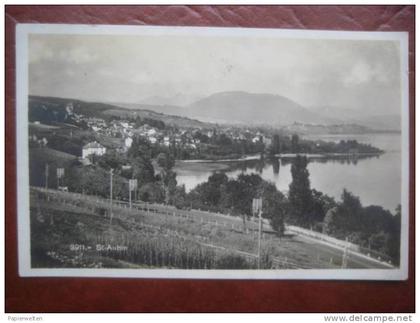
160 108
339 113
178 99
381 122
239 107
314 129
243 108
50 110
250 108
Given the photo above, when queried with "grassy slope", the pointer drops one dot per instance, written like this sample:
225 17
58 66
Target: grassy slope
167 119
47 155
199 227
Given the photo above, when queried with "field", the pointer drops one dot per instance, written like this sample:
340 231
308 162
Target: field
50 155
167 119
72 230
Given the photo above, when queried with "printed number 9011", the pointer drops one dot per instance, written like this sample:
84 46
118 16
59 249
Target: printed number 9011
78 247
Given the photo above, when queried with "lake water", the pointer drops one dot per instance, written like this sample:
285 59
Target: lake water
375 180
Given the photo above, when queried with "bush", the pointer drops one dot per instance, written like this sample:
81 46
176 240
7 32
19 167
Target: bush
231 261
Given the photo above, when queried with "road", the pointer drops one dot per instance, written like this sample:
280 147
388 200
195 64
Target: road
336 253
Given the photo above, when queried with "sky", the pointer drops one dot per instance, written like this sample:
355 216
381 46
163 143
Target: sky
363 76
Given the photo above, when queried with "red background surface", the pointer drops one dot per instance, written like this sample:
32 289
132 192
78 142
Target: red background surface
152 295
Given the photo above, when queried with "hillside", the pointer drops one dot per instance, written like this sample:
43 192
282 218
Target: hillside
46 155
51 110
159 108
171 120
240 108
159 236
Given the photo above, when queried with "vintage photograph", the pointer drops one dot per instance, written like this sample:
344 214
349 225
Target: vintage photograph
182 152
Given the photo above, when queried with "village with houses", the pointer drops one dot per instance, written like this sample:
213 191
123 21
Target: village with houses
117 134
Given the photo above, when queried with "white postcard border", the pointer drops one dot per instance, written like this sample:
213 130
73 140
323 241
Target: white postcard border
22 164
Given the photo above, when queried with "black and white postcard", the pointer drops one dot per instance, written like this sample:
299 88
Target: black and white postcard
220 153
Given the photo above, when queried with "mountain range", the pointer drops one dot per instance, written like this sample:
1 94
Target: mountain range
250 108
229 108
238 107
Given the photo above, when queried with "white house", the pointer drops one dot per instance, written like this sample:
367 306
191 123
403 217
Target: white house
266 140
152 132
256 139
128 142
166 141
93 148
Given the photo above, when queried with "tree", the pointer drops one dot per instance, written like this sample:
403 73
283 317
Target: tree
180 197
234 196
300 194
231 197
140 148
140 154
328 225
152 192
211 195
143 171
274 204
395 236
170 185
350 211
111 160
211 191
295 144
349 218
202 137
276 165
379 241
275 145
95 181
248 189
166 162
321 203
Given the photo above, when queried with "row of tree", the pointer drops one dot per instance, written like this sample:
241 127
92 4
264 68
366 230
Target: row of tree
234 196
294 144
372 227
